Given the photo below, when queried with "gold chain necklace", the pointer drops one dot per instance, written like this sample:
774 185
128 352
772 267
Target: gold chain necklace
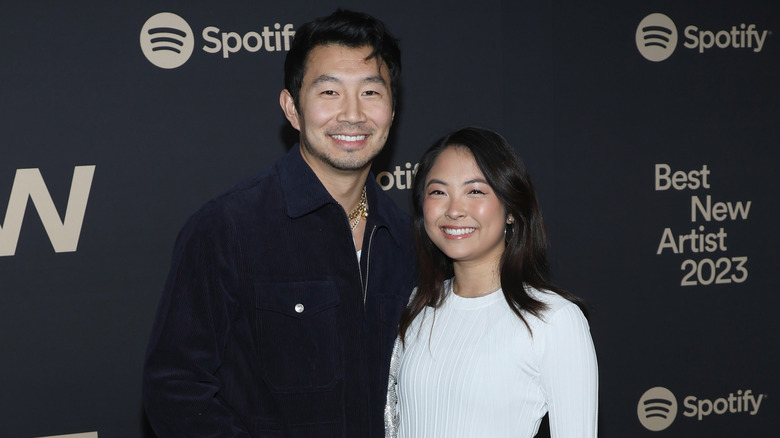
360 211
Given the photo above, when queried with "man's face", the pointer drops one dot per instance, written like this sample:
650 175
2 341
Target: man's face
345 108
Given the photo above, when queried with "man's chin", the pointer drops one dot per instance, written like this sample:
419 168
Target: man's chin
351 160
345 160
349 166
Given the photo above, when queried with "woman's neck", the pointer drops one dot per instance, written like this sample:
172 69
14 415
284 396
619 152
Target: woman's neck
476 279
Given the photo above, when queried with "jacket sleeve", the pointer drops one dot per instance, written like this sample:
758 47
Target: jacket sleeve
181 390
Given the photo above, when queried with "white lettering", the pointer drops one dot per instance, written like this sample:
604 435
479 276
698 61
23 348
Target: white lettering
385 175
720 211
680 180
228 48
705 408
232 42
667 242
720 406
690 407
755 402
701 408
64 235
287 34
754 35
741 38
691 40
400 178
697 241
248 41
75 435
207 32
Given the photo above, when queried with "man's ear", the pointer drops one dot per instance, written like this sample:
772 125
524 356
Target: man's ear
287 103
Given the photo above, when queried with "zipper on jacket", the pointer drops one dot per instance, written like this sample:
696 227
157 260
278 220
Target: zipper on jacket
363 284
368 263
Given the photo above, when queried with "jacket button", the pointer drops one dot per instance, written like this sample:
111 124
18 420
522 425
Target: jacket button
299 308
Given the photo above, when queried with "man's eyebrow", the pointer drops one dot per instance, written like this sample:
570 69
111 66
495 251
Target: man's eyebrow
325 78
374 79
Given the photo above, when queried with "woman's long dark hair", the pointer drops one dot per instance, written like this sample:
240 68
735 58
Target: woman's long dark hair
524 262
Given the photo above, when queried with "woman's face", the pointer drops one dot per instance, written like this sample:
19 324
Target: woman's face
462 215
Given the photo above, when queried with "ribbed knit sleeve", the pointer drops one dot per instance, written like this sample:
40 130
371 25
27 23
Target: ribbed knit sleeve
569 374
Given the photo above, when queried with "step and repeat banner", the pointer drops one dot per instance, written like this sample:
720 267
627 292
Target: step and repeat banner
651 128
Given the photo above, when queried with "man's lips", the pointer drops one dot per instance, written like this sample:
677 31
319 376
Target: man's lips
350 138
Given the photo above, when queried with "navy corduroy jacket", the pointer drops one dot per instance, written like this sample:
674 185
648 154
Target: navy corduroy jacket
268 325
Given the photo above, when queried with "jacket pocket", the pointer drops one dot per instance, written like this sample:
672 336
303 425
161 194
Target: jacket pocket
299 345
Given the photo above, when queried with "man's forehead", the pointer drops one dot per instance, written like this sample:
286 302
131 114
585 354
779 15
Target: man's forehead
323 53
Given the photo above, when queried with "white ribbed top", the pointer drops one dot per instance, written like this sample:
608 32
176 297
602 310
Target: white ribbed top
478 373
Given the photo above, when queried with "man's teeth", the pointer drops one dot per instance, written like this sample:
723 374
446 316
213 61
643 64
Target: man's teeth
349 137
458 231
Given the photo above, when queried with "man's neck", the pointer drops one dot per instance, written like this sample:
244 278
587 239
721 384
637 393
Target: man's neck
345 186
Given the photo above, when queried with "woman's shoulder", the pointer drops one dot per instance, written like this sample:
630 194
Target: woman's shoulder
554 303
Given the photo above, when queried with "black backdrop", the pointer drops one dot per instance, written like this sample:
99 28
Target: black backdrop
682 291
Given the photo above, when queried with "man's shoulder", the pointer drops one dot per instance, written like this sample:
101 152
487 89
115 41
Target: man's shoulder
266 181
238 200
240 193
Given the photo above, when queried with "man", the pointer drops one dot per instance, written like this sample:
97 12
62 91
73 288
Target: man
282 304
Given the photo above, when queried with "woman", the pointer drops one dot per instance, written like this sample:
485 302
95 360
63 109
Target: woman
488 345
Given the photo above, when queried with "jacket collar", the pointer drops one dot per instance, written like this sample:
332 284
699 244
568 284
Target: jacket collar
304 193
302 190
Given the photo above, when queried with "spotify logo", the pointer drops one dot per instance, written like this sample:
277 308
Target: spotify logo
656 37
657 408
167 40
